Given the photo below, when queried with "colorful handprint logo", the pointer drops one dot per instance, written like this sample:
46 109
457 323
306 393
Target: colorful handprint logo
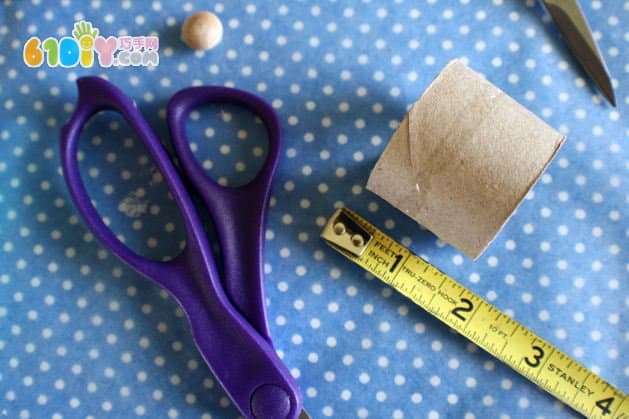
85 34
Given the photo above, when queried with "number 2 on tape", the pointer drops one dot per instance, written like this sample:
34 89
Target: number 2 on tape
473 317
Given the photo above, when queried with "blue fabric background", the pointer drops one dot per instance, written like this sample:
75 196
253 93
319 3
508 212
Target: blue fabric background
81 335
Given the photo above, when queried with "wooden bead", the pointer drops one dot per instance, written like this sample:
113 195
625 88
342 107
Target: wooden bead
202 30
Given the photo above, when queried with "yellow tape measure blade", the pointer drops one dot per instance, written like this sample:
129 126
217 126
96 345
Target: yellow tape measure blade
473 317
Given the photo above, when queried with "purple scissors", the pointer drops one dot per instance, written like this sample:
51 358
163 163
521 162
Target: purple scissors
227 315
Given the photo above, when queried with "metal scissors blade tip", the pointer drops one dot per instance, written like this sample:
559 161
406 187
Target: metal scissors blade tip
571 22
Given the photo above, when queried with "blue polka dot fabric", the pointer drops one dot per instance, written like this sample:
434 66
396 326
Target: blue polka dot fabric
83 336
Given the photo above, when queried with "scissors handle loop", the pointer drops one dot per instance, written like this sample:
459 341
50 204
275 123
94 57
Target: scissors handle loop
238 213
241 359
97 95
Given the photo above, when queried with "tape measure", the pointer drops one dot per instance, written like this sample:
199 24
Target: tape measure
470 315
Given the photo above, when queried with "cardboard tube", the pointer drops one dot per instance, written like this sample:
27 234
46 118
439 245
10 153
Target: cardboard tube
463 159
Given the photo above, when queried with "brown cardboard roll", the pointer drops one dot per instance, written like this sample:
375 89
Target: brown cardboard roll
463 159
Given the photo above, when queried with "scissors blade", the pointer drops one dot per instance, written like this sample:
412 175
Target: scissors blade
304 414
573 26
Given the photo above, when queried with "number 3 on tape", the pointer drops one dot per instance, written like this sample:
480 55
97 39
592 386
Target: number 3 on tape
473 317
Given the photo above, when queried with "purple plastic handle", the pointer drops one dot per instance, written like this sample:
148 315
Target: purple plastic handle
238 213
241 358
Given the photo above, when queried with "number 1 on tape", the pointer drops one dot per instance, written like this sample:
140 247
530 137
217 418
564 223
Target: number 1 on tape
473 317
